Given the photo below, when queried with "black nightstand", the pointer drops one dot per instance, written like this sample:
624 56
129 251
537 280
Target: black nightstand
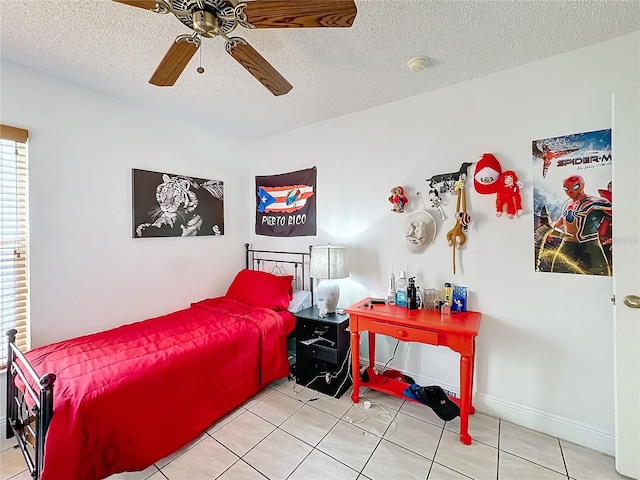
322 345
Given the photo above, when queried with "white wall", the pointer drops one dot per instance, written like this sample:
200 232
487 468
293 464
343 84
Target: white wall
545 345
87 272
545 348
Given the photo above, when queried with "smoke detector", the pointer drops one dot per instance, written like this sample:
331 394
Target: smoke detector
417 64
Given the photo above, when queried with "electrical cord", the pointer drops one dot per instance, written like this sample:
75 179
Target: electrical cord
392 357
383 416
328 376
313 398
346 361
380 416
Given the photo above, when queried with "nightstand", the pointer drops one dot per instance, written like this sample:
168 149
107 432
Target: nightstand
322 345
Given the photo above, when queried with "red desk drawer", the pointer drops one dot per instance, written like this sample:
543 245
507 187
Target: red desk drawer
404 333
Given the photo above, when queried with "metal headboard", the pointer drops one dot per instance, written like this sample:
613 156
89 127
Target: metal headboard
268 260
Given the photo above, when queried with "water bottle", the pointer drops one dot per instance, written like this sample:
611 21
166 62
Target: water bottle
401 290
418 298
322 308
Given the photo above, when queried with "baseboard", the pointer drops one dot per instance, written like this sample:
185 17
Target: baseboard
3 432
543 422
548 423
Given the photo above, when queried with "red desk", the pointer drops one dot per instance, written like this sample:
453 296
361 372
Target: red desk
457 331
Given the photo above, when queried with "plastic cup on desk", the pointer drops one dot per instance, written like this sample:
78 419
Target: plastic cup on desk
429 298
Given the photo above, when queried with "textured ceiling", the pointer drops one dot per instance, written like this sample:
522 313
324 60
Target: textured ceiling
115 48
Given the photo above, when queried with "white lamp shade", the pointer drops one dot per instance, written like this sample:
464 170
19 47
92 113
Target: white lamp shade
328 263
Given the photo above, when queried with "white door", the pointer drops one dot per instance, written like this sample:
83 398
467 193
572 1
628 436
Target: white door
626 279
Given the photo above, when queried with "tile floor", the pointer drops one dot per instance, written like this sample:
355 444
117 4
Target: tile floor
280 434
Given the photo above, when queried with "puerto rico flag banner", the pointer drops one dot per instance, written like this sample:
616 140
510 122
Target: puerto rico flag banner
286 204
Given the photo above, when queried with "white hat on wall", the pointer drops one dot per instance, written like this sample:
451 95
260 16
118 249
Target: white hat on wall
419 231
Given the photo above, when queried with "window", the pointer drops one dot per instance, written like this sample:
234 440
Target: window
13 237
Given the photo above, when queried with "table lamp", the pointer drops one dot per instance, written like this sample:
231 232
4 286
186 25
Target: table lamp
327 264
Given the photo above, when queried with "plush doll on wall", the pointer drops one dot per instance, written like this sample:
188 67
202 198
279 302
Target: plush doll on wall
509 194
436 201
398 199
487 174
456 236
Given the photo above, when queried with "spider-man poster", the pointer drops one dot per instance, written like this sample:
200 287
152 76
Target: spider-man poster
286 204
572 201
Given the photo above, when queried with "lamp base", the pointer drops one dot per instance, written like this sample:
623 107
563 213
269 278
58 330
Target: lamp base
330 291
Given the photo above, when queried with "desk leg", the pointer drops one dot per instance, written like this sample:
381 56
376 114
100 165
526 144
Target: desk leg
355 365
465 397
372 351
472 409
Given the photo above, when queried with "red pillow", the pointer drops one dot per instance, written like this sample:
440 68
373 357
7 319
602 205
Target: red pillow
261 289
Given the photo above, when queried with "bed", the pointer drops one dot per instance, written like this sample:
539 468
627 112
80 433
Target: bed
122 399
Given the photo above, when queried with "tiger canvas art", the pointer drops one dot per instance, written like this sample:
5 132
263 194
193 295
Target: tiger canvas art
169 205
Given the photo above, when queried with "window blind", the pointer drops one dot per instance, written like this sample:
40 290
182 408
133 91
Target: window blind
14 301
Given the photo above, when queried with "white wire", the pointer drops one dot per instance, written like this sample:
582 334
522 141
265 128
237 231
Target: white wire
390 417
385 416
313 398
380 416
324 375
350 420
392 357
422 200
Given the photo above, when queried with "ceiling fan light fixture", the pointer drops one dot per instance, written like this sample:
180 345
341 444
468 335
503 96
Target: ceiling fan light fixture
205 23
417 64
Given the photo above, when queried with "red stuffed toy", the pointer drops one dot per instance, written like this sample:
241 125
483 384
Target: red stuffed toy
398 199
509 194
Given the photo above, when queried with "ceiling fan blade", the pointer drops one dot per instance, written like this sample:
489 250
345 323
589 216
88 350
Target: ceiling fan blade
175 61
256 65
146 4
300 13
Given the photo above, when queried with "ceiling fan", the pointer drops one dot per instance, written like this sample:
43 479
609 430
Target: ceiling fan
212 18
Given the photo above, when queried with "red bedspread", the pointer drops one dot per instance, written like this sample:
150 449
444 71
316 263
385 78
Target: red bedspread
128 397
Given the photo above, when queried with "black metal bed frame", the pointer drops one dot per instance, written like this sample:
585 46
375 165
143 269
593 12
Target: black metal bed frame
254 259
31 424
20 419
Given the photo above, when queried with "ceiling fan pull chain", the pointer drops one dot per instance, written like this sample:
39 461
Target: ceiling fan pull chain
200 69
